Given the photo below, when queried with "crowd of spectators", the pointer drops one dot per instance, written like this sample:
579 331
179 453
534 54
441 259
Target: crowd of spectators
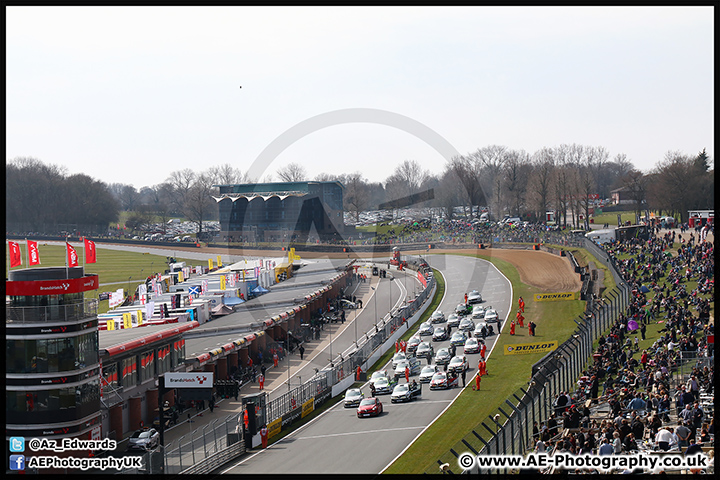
650 405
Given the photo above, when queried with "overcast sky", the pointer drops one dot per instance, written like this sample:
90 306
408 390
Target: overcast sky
130 94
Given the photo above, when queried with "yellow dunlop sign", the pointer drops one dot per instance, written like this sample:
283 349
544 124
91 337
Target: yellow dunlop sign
127 320
551 297
219 261
274 427
308 407
210 263
522 348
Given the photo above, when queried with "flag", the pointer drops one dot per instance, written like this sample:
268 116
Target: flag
194 290
90 256
15 254
33 253
72 256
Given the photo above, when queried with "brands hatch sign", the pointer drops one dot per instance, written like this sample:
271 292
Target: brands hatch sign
189 380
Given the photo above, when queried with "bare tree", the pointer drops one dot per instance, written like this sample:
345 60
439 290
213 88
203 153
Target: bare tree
292 172
466 171
179 183
635 184
489 161
516 172
199 202
357 195
226 174
541 181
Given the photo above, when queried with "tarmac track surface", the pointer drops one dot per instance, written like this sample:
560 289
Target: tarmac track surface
339 442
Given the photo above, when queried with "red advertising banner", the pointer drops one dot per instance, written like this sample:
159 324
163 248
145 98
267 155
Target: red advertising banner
33 253
53 287
72 256
421 277
15 254
90 256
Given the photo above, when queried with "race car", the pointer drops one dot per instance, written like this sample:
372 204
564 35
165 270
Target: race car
406 392
442 380
369 407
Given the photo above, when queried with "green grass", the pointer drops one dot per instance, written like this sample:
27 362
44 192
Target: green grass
611 218
507 374
116 268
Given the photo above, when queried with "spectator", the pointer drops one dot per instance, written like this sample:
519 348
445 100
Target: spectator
606 448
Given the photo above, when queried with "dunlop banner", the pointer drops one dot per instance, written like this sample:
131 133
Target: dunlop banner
274 427
522 348
308 407
552 297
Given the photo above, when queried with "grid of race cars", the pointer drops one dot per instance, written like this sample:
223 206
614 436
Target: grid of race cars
429 362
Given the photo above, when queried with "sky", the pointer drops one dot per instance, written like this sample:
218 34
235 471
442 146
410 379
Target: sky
131 94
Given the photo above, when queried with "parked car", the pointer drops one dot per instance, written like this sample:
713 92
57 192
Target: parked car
458 338
477 333
345 303
437 317
406 392
378 374
425 350
369 407
144 439
442 356
466 325
471 346
413 363
491 315
413 343
478 312
463 309
397 358
425 329
353 396
384 385
453 320
439 334
458 364
474 297
442 380
427 373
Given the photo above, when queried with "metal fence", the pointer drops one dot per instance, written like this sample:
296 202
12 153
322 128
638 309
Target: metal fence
509 428
52 313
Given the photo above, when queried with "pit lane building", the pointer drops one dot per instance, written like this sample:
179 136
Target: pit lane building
66 377
281 212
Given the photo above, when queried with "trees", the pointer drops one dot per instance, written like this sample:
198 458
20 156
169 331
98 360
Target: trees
43 198
292 172
540 182
466 170
681 182
356 197
516 171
